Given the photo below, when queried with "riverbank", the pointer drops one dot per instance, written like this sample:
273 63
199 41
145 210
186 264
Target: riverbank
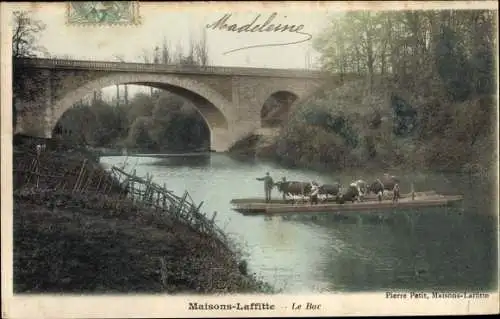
382 128
83 242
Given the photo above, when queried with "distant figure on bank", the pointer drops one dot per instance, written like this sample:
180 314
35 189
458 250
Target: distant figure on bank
395 197
40 148
314 193
268 185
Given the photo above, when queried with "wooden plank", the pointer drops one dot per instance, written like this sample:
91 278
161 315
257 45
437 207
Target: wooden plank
348 207
331 198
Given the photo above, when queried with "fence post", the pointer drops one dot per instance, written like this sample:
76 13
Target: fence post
75 187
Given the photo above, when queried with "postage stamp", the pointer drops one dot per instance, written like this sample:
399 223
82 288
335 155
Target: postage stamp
103 12
249 159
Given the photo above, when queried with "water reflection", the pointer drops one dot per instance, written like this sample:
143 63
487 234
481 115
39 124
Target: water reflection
448 248
435 249
192 161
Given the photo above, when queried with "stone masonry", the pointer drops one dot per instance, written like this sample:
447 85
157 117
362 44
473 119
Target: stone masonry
230 99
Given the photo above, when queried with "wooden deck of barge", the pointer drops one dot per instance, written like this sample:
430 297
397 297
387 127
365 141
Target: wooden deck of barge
370 205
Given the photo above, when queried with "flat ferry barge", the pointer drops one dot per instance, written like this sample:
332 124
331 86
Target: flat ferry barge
255 206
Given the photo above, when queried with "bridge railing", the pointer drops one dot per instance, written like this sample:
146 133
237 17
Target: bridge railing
163 68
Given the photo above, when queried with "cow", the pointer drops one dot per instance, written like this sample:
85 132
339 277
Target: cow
362 187
329 189
293 188
387 182
351 194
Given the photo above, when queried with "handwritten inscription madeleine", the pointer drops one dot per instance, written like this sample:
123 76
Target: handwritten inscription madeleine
257 26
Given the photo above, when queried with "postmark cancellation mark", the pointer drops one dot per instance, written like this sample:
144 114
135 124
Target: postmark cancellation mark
103 12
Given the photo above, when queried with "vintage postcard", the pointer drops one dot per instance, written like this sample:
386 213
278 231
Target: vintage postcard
240 159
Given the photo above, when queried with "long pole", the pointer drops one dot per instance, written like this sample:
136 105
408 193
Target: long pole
117 95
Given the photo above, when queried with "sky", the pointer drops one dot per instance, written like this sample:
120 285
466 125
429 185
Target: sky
180 23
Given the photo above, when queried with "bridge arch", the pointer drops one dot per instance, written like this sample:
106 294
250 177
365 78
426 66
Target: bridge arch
276 106
213 107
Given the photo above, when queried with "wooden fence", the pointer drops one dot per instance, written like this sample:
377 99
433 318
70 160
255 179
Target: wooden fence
90 178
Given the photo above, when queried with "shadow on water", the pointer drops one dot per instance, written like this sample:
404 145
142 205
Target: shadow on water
436 249
192 161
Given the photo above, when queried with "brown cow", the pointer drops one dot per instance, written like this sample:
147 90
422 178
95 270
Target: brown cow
387 182
350 194
329 189
293 188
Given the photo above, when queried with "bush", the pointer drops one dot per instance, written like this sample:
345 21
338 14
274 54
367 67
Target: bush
392 128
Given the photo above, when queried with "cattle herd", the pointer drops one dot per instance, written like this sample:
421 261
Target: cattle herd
356 191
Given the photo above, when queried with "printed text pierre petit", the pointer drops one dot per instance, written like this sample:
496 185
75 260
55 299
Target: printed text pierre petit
436 295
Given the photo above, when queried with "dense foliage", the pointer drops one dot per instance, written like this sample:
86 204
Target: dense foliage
425 98
162 122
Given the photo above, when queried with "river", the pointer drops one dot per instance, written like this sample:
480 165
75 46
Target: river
438 248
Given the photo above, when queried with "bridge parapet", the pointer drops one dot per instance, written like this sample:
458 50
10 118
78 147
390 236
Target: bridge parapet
230 99
162 68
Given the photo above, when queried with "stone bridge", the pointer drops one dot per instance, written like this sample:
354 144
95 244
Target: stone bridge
230 99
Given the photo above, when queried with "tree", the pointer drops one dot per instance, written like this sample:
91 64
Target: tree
453 65
80 120
189 58
25 35
141 105
201 49
138 134
166 112
415 47
165 52
197 52
107 126
433 67
95 122
167 104
353 44
156 55
24 45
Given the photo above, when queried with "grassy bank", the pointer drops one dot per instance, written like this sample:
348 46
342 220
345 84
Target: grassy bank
67 241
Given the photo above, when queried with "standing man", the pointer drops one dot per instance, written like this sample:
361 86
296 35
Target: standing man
314 193
268 185
395 197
